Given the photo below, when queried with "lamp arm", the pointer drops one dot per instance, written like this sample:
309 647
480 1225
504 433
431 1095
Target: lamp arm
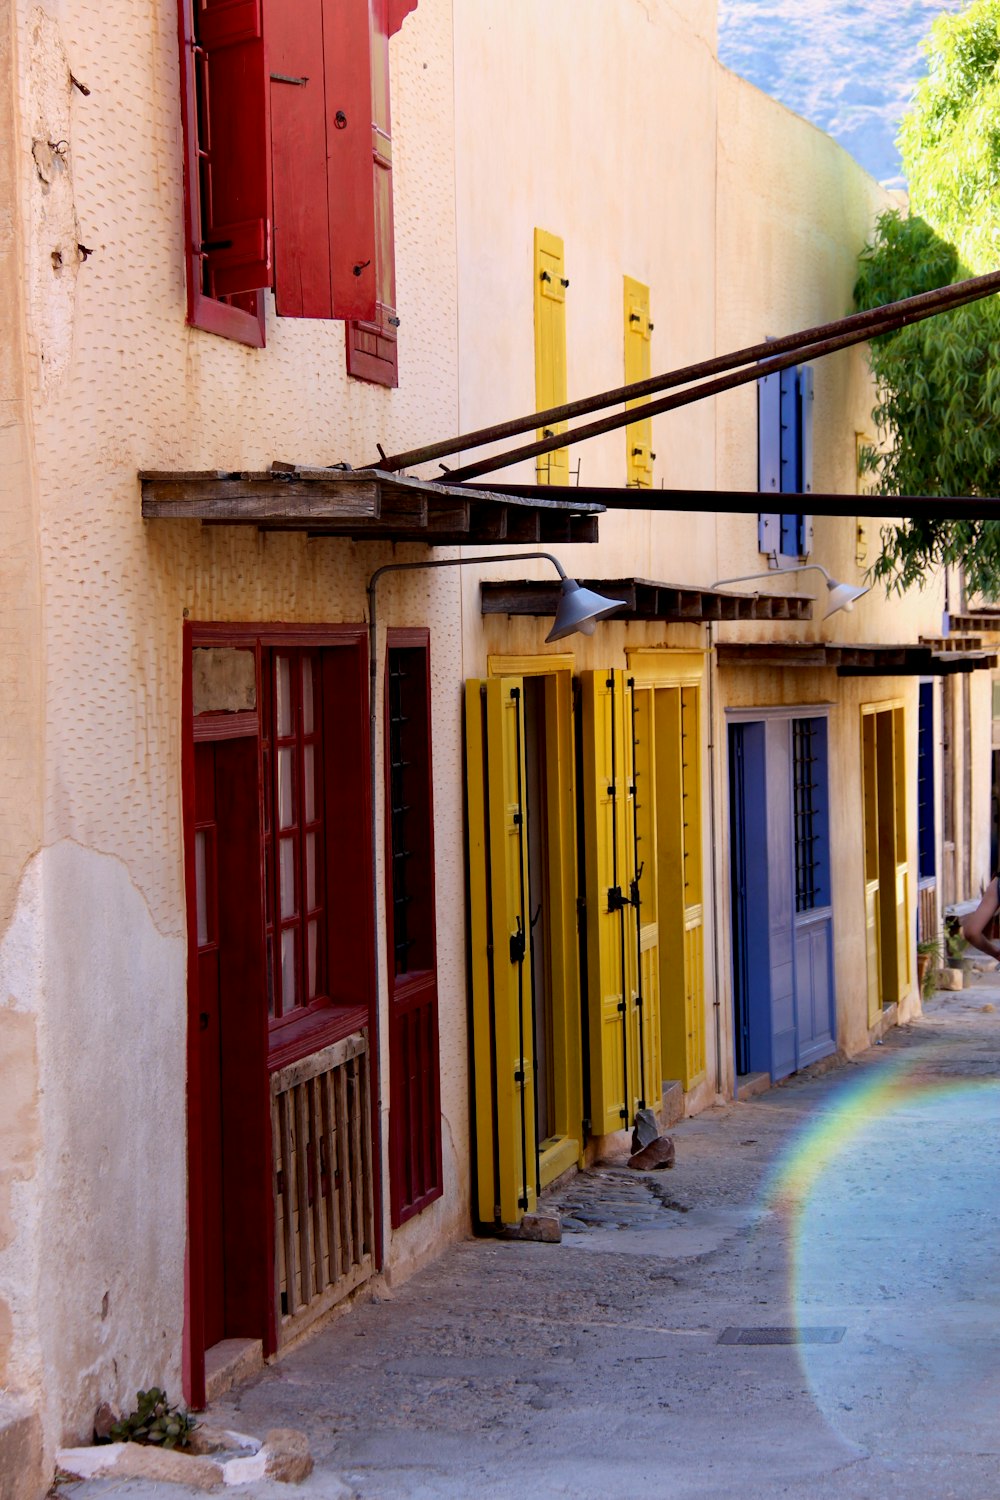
773 572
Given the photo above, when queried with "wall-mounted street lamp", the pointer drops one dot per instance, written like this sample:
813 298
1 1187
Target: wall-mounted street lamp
840 595
579 610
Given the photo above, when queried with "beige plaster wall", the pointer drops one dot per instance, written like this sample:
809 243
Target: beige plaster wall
598 126
116 382
21 749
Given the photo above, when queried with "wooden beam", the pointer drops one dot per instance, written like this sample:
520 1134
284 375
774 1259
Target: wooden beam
257 498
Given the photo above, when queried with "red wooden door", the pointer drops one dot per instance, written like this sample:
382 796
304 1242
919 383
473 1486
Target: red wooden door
231 1016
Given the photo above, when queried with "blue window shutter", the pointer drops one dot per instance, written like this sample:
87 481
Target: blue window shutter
791 536
789 422
805 536
769 433
769 533
806 399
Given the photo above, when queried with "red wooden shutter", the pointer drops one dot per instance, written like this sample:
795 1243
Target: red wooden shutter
233 146
371 343
324 215
398 11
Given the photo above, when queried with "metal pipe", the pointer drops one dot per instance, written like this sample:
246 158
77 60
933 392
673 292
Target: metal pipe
697 393
940 299
749 502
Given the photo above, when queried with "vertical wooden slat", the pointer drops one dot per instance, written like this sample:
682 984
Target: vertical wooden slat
332 1192
367 1180
347 1228
288 1227
357 1165
321 1275
304 1227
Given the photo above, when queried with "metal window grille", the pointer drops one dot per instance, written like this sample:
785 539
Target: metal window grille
808 830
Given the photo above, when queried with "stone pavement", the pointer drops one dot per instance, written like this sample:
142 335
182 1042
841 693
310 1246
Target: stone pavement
859 1205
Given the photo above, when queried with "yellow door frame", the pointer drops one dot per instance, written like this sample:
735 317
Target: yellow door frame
675 679
887 882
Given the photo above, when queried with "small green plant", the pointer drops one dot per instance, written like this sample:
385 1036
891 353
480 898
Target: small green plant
928 963
956 948
155 1421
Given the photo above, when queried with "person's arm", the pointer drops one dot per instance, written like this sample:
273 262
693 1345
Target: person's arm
974 927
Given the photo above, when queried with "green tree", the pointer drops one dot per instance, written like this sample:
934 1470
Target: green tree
938 382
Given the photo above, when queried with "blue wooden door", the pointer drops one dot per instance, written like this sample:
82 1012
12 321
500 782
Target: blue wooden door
782 916
751 964
813 900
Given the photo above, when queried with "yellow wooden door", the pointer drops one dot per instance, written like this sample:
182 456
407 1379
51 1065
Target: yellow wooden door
506 1148
896 726
682 911
550 348
645 896
605 787
638 434
869 784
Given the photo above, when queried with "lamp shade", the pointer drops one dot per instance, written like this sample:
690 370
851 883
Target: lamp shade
578 609
841 596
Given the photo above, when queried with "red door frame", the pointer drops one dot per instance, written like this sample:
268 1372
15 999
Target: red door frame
256 637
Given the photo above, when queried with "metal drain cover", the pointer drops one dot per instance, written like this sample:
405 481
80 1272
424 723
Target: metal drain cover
781 1335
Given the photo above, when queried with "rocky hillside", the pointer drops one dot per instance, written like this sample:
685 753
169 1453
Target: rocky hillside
847 65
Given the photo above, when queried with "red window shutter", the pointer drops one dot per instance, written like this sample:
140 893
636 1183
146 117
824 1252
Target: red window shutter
324 214
233 146
371 342
398 12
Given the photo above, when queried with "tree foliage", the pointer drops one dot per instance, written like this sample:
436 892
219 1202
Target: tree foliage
938 382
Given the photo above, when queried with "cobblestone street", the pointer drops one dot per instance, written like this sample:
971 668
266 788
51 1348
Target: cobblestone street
594 1368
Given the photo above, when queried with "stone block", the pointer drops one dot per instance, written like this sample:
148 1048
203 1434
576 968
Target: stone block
21 1476
136 1461
654 1157
286 1455
645 1131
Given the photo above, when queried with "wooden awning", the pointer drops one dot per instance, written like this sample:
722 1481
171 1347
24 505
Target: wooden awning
643 599
921 659
366 505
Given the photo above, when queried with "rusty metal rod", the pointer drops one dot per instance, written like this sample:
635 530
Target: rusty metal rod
941 299
751 502
699 392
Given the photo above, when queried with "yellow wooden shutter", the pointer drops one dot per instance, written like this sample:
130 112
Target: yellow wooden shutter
506 1150
638 435
550 348
605 782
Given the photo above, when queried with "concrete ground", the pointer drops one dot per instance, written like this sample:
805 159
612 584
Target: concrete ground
859 1208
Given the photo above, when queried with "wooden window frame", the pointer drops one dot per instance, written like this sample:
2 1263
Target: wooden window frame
347 883
240 319
356 291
